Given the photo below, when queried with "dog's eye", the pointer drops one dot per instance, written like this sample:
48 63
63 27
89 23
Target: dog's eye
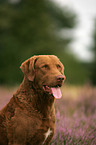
58 66
45 66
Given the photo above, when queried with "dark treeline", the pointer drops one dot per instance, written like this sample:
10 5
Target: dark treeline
92 65
32 27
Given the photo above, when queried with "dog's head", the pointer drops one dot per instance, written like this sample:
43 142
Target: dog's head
46 71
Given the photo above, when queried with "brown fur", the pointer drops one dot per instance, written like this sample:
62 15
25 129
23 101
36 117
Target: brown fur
30 112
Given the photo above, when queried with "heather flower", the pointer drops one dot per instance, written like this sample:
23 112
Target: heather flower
76 120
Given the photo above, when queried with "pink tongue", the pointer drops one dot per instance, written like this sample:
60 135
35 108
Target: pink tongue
56 92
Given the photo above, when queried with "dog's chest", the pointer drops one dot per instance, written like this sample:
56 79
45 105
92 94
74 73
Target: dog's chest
47 134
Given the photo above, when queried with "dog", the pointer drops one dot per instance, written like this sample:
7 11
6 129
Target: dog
29 117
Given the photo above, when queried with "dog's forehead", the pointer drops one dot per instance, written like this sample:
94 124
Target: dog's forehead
45 59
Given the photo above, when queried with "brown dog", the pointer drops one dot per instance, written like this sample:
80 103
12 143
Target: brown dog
29 117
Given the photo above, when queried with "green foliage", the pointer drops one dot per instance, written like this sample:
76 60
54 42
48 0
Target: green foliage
92 66
75 71
93 75
32 27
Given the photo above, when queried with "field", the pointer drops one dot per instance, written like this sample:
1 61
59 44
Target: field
75 115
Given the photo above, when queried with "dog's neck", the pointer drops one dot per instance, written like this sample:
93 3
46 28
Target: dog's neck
37 98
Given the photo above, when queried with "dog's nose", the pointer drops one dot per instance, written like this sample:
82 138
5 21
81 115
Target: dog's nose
60 77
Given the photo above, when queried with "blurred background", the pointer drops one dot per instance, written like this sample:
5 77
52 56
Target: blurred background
66 28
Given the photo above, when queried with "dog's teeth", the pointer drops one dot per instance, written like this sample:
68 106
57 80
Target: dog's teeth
47 87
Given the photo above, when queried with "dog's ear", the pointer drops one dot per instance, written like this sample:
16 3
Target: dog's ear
28 69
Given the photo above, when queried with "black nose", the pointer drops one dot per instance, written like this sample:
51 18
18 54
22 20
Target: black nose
60 77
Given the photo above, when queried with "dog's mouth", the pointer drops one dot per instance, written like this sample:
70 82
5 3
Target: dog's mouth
55 91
